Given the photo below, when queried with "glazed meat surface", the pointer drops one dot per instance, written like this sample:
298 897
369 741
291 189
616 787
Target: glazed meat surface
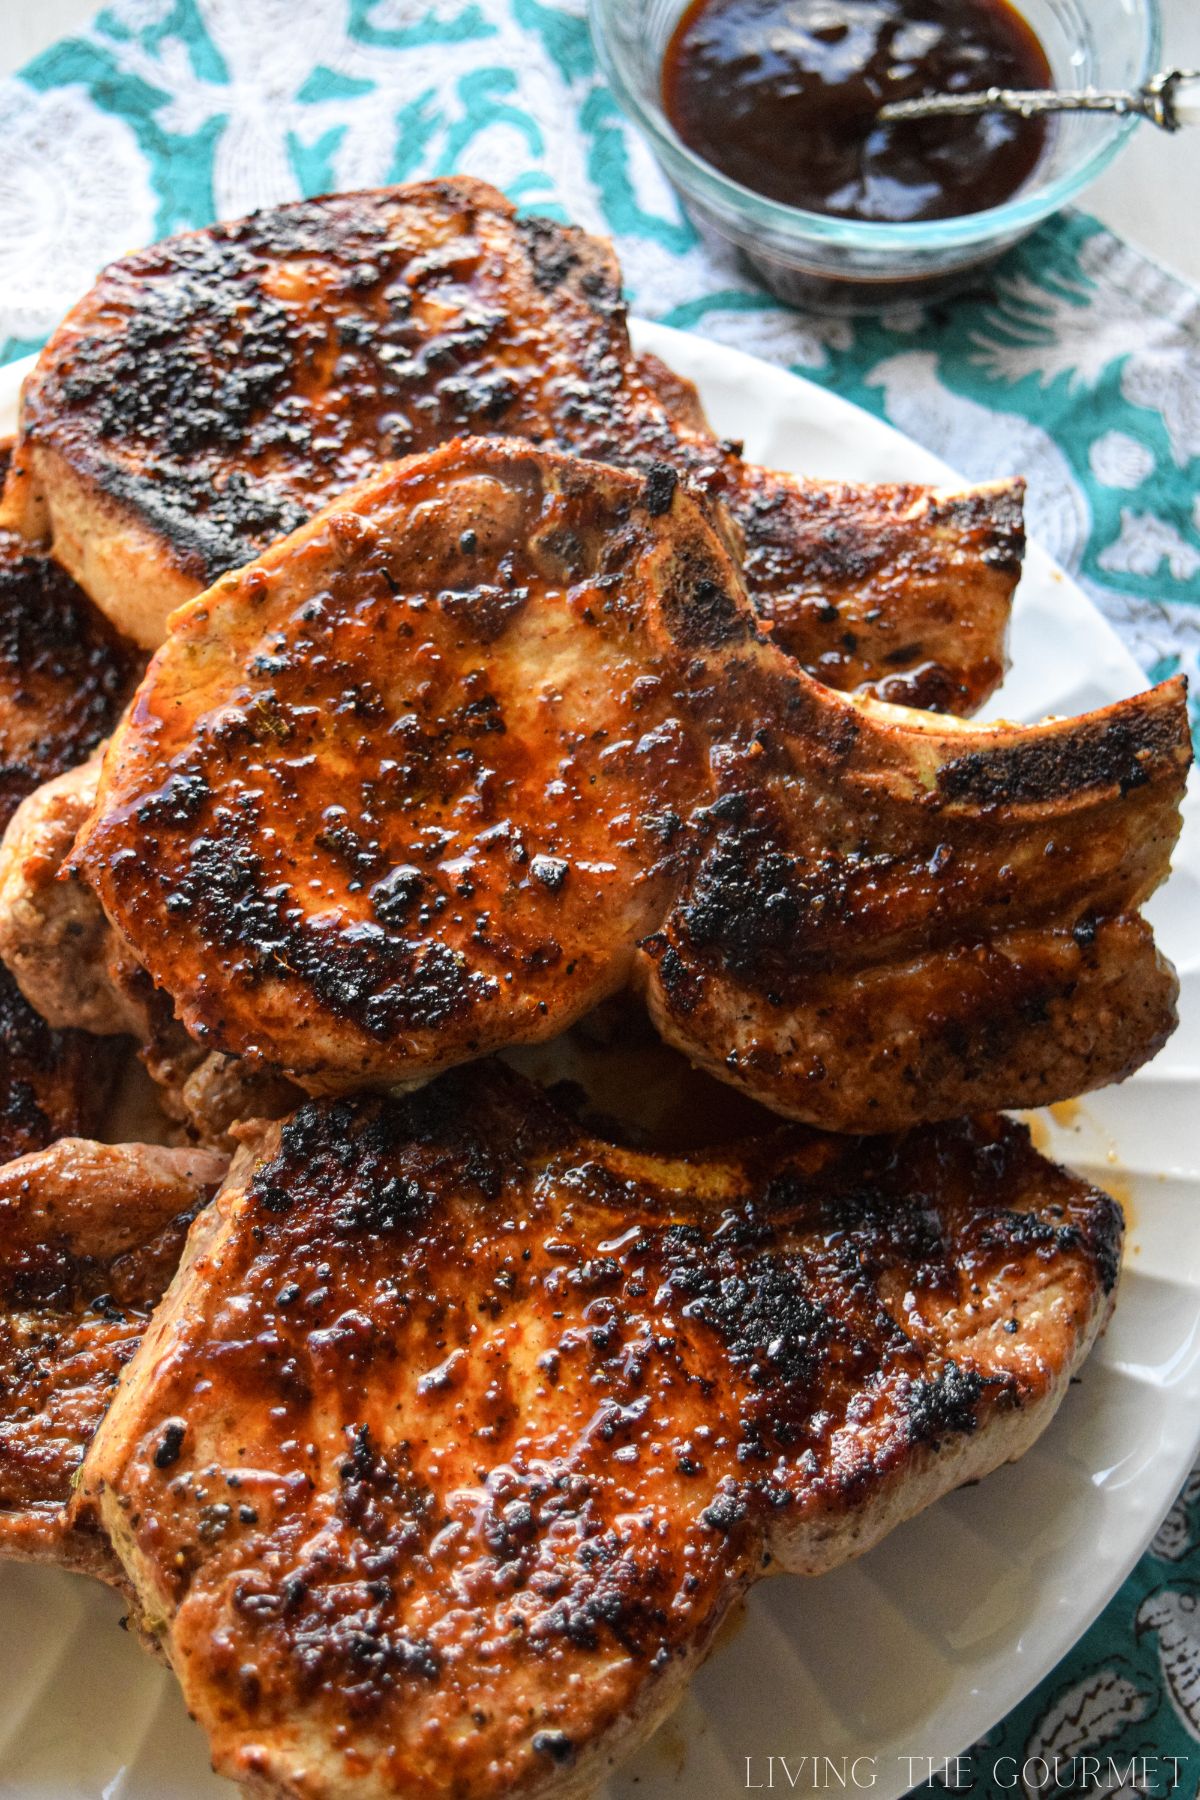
90 1235
496 731
212 392
896 917
407 788
460 1431
77 975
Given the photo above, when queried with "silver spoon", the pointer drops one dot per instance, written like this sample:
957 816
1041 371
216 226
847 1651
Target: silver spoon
1169 100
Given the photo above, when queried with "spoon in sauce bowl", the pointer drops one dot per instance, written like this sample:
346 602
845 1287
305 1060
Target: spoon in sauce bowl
1170 100
765 115
785 97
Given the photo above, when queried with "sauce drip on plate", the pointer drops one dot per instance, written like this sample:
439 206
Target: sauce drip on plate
783 96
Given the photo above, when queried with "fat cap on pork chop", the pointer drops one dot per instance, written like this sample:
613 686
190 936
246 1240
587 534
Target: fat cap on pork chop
215 390
496 731
90 1235
459 1430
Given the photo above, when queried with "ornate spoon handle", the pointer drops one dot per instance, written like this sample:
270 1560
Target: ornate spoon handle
1169 100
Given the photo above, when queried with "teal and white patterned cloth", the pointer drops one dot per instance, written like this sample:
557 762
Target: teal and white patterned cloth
1077 362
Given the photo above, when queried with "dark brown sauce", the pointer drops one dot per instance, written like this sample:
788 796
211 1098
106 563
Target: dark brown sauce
783 96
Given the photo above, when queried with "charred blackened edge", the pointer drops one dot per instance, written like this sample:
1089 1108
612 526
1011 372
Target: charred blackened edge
994 515
483 1120
850 533
564 256
52 1083
206 530
1127 746
699 598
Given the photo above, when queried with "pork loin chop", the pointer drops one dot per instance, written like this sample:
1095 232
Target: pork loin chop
77 974
52 1083
64 676
418 784
90 1235
54 937
895 916
459 1431
64 672
212 392
503 679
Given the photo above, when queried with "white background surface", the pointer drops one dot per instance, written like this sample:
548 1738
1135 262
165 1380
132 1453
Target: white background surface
1149 196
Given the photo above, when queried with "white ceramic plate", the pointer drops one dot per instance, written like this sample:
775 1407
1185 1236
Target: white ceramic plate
921 1646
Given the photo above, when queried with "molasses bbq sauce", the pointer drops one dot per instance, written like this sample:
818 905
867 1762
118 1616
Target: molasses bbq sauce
783 96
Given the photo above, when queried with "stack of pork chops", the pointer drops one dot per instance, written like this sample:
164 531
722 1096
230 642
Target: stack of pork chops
432 1413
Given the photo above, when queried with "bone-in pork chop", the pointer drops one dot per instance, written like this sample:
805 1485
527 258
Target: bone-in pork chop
460 1431
75 972
64 673
64 676
90 1235
213 391
418 784
52 1083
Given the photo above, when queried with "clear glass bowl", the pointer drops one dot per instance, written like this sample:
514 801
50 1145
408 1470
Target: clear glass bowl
854 265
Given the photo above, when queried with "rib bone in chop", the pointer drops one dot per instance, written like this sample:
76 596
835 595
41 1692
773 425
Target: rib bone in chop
496 731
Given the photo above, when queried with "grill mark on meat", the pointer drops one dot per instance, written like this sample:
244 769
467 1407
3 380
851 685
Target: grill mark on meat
388 709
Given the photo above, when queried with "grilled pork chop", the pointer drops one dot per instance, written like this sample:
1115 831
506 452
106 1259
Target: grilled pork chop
64 676
459 1431
77 974
896 917
90 1235
212 392
418 783
54 937
64 673
52 1083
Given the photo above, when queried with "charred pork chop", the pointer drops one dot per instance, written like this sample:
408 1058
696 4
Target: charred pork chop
54 937
459 1431
212 392
897 917
419 782
90 1235
52 1083
77 974
64 676
64 673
